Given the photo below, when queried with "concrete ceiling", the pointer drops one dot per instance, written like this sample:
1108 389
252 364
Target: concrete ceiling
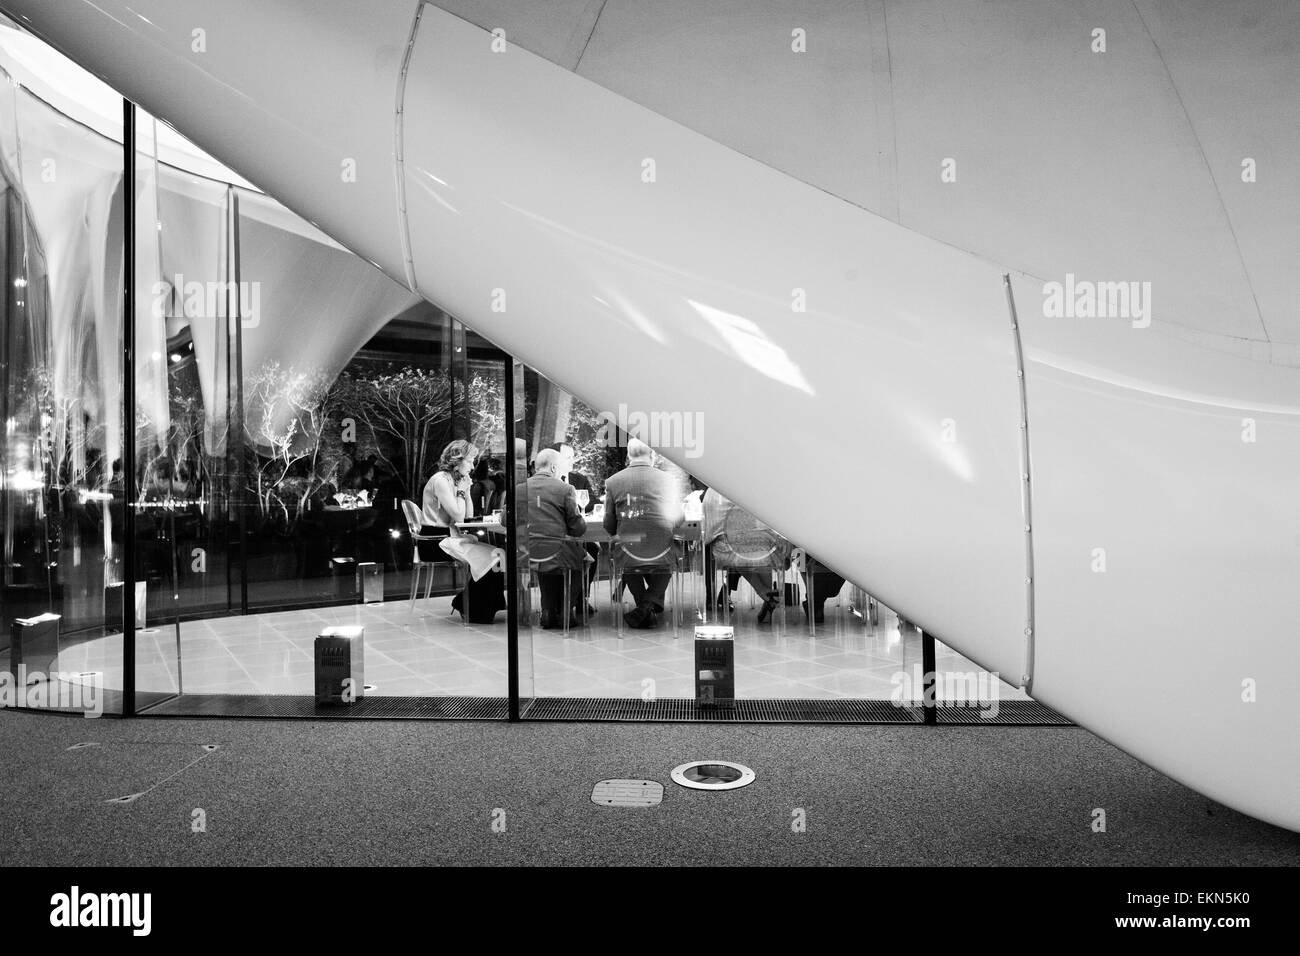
1116 166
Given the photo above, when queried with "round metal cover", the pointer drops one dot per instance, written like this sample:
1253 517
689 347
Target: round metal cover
713 775
628 793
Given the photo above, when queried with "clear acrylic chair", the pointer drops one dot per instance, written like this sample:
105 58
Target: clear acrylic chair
742 542
552 548
635 556
415 522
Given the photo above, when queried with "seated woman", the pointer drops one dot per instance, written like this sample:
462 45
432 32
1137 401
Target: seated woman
742 546
447 502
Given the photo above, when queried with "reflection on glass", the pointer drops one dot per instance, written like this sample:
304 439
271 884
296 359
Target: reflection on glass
289 398
60 395
699 556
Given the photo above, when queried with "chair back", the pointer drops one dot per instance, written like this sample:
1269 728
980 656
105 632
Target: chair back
642 537
641 550
543 548
744 541
414 516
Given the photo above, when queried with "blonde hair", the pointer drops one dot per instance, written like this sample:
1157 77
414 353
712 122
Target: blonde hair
456 452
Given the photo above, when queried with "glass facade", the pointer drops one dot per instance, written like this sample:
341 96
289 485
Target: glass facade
314 447
711 563
62 404
306 398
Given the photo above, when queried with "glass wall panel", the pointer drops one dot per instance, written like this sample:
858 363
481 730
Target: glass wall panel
309 399
162 480
61 404
520 376
650 578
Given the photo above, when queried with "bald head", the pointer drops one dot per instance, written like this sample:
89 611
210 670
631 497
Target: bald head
637 450
548 460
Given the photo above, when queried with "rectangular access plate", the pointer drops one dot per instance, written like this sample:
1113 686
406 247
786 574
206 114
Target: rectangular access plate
628 793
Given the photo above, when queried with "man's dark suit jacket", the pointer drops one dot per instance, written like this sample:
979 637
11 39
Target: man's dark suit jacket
643 502
553 515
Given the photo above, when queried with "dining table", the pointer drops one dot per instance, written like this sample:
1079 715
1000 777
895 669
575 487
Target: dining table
595 533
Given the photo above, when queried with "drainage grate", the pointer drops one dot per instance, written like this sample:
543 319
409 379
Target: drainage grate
774 711
367 708
1018 713
628 793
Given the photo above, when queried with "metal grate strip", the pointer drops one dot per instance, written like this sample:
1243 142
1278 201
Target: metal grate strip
1017 713
1022 713
683 709
304 706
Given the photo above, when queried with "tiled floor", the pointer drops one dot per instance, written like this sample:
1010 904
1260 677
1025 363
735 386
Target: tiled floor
427 652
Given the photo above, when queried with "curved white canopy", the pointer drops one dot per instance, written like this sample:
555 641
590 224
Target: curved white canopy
1123 164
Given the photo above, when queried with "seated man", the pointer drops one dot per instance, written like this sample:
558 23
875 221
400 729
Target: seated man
580 484
642 507
553 514
742 546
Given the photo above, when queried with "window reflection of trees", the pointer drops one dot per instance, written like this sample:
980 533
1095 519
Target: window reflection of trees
306 434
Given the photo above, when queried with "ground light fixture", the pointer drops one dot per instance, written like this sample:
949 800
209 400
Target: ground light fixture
713 775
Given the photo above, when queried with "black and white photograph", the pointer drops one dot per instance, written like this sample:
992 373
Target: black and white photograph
727 435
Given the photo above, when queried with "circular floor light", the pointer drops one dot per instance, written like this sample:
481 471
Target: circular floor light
713 775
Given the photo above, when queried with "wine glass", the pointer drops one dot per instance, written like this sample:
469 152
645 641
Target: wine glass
584 498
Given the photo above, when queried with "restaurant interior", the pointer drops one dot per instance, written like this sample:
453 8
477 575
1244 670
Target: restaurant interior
285 399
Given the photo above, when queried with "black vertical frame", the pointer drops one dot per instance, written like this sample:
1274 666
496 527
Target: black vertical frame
929 705
449 359
237 426
128 408
512 545
223 340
